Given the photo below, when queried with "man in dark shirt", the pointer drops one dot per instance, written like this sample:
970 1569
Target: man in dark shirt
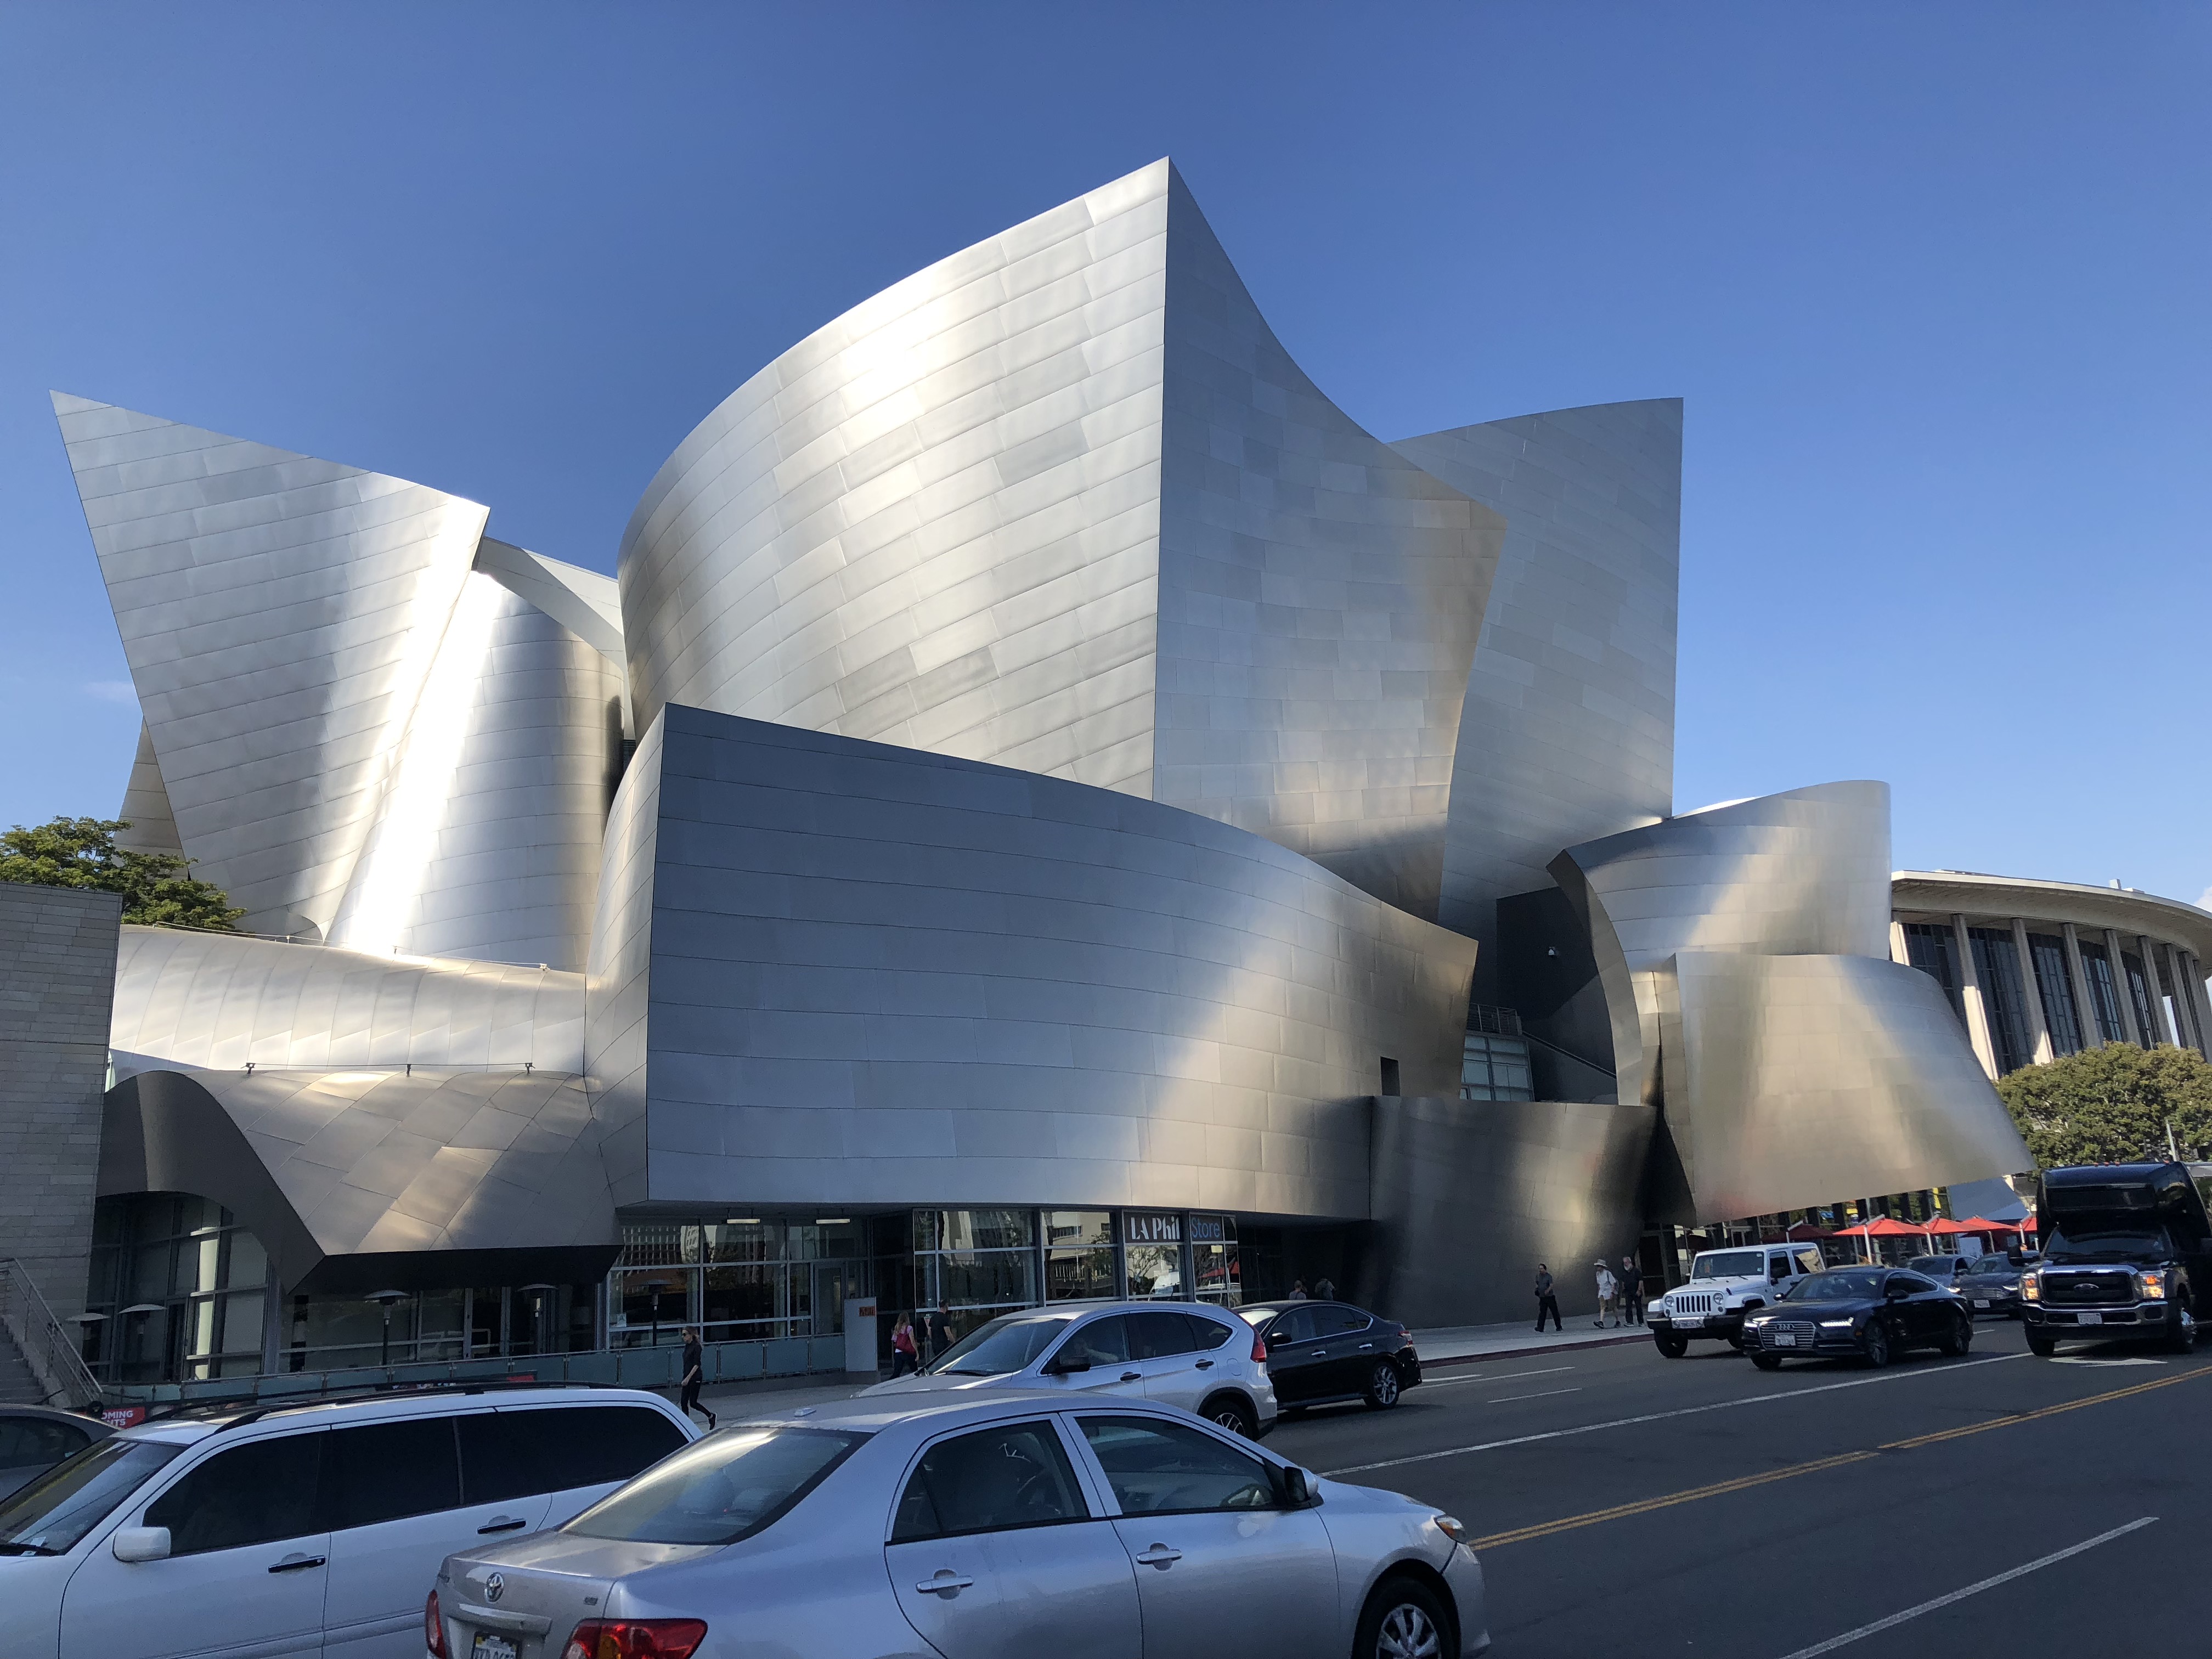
1547 1303
694 1375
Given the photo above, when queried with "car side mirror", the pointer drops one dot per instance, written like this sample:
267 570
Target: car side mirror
1298 1489
141 1544
1062 1364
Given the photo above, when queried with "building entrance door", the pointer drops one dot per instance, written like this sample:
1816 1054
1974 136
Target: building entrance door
833 1282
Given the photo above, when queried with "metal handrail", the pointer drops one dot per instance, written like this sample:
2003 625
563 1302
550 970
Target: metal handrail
47 1347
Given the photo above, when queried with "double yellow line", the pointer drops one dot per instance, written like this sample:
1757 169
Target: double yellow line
1722 1488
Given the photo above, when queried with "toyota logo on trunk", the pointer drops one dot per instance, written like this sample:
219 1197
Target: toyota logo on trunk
494 1587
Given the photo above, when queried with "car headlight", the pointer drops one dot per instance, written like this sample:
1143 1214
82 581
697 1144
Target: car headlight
2151 1286
2031 1288
1452 1528
1835 1324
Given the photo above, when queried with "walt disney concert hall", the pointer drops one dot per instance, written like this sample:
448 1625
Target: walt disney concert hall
1047 807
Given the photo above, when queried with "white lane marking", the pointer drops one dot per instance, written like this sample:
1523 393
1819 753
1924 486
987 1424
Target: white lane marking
2078 1359
1546 1394
1510 1376
1895 1619
1685 1411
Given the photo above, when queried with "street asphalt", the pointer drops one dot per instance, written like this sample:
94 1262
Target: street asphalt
1627 1504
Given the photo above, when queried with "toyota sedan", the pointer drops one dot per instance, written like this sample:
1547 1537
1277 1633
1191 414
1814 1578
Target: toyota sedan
1002 1525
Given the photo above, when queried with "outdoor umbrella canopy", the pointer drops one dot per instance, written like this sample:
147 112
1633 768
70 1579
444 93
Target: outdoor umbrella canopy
1883 1226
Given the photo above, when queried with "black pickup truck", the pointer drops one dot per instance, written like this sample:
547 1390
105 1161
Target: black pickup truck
2127 1256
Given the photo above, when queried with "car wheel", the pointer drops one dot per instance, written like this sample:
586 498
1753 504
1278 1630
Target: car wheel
1403 1619
1383 1386
1959 1337
2042 1346
1670 1345
1231 1413
1767 1362
2184 1340
1874 1343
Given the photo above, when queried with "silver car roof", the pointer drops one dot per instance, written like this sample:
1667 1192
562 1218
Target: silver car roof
869 1414
378 1408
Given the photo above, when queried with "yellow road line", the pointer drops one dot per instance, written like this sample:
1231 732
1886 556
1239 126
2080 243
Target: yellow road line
1722 1488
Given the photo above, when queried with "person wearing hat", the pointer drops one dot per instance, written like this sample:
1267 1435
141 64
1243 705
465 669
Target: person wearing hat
1608 1290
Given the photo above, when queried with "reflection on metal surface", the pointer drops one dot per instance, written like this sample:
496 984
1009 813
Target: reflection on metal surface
1792 1080
153 827
584 602
1062 502
279 614
220 1001
1470 1195
1569 729
371 1163
831 969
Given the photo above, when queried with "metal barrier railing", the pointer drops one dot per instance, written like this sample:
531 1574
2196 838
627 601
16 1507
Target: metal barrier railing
48 1347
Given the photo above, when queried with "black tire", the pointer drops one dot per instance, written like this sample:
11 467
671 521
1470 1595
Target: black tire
1404 1618
2184 1340
2042 1346
1959 1337
1670 1345
1874 1344
1767 1362
1383 1386
1231 1412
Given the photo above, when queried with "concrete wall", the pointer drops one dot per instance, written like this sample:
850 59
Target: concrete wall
56 983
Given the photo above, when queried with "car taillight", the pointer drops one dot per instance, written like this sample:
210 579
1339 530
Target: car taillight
636 1639
434 1628
1259 1347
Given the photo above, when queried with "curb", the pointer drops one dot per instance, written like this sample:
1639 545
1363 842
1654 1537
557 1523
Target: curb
1641 1336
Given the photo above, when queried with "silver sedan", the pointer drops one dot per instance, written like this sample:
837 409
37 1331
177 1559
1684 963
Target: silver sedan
1003 1526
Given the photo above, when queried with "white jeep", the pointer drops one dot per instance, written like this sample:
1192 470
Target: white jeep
1724 1286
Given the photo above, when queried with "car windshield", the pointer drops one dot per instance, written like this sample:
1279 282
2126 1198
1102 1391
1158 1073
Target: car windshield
725 1487
2090 1238
1730 1264
1007 1344
1935 1266
1845 1287
1992 1266
70 1499
1256 1317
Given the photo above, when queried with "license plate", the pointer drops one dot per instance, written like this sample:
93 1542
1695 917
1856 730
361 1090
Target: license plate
1785 1339
1689 1322
488 1646
2090 1319
1981 1302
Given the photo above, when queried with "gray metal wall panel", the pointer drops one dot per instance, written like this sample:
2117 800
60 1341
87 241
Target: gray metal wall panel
1320 599
1471 1196
279 614
1569 729
219 1001
145 809
879 976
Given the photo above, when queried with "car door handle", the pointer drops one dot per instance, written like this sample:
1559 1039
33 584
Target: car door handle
947 1582
1206 1365
499 1523
1159 1556
295 1563
1365 1347
1321 1353
1133 1376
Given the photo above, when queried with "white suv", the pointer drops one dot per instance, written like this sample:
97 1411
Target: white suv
1190 1354
315 1529
1724 1286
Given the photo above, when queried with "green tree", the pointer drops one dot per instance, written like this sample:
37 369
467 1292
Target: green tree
2112 1105
158 889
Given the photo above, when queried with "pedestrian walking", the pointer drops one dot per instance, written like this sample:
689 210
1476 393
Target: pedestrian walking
906 1355
1632 1290
694 1377
1325 1290
1608 1293
1299 1290
1547 1303
940 1333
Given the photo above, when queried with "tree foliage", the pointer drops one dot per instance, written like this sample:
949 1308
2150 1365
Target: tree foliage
158 889
2111 1105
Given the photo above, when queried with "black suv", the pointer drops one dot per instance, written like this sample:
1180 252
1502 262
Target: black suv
1322 1350
2127 1255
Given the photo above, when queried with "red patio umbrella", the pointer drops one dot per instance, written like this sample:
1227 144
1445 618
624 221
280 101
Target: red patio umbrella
1943 1224
1882 1226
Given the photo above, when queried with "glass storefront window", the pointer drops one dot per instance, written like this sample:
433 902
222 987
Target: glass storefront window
1069 1228
1155 1270
1079 1275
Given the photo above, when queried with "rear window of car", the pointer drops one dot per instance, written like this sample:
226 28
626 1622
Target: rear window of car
724 1488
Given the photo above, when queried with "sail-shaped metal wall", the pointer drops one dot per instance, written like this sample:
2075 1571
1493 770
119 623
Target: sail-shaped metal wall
1062 502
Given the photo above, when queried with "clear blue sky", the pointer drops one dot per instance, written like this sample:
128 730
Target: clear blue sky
1933 281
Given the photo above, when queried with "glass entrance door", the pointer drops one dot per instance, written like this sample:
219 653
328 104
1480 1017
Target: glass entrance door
831 1280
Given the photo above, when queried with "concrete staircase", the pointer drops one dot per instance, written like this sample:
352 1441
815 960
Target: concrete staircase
17 1386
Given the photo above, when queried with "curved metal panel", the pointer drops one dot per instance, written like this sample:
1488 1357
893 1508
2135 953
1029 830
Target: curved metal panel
487 844
1805 872
145 810
871 975
1062 502
1505 1184
1792 1080
221 1001
370 1163
1569 727
279 614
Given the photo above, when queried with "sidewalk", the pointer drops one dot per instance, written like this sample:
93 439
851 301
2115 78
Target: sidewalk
1468 1345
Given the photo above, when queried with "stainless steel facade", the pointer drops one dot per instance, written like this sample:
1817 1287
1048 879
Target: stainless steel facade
838 972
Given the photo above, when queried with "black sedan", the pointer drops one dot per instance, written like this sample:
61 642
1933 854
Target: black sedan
1872 1314
33 1438
1992 1285
1320 1352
